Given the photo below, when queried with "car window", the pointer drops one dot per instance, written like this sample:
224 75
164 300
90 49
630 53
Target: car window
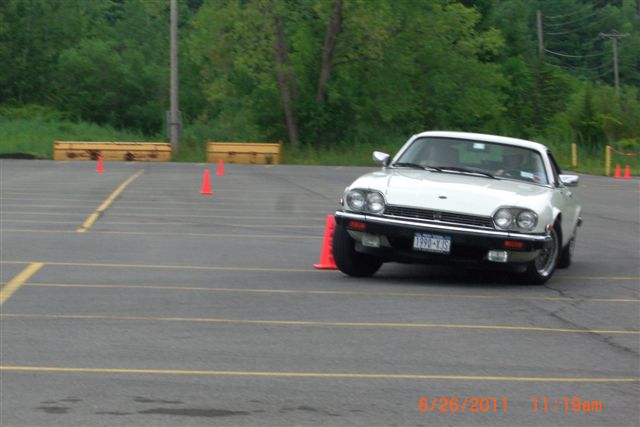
500 160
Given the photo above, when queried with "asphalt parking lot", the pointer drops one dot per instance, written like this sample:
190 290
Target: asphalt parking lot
159 306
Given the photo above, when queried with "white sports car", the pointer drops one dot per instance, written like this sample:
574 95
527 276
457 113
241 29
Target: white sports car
449 197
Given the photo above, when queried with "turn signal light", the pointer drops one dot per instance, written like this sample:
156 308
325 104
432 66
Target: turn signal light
357 225
513 244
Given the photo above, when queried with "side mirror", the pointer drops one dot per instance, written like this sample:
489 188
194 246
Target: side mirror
569 180
382 158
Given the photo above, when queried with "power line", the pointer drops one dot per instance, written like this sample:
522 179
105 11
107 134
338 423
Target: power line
606 65
584 64
563 24
595 4
562 33
565 55
591 72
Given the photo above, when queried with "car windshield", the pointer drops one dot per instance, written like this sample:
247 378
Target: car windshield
476 157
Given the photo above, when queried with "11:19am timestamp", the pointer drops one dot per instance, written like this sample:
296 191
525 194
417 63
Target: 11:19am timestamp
565 404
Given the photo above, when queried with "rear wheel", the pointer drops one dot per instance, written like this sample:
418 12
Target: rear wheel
541 269
348 260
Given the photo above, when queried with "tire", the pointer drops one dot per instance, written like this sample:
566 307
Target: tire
348 260
541 269
566 254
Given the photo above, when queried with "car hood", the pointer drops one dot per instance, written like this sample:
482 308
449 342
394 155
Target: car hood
453 192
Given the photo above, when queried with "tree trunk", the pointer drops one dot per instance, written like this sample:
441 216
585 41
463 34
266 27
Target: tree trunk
286 78
334 27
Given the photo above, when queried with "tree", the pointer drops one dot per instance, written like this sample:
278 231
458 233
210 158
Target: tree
33 33
284 72
334 27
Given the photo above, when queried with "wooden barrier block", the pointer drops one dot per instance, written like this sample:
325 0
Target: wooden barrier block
244 152
126 151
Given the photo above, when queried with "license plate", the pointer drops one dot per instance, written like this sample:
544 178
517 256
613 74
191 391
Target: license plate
432 243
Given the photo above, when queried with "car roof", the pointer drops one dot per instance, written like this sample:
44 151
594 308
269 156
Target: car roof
485 138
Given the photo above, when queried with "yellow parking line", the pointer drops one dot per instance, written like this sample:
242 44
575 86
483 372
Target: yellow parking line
313 374
94 216
159 204
16 230
316 323
321 292
14 284
57 199
203 267
175 267
204 209
635 278
5 212
162 190
146 233
217 225
46 206
34 221
319 220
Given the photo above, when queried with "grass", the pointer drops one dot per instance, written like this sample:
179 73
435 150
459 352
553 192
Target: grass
591 160
35 137
337 155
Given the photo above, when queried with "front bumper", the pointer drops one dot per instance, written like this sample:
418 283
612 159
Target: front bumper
468 244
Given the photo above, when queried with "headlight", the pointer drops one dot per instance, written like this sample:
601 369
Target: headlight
527 220
356 200
375 202
515 219
365 201
503 218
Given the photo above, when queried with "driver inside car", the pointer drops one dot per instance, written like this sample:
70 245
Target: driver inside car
511 165
523 166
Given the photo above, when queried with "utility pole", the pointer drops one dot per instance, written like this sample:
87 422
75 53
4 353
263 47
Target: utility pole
174 119
540 35
614 36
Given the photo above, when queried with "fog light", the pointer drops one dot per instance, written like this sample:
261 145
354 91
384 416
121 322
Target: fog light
370 240
498 256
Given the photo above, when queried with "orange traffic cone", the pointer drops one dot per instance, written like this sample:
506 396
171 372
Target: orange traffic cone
206 183
627 172
100 167
617 175
220 171
326 257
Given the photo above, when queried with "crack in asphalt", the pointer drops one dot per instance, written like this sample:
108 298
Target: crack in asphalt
574 301
597 336
288 181
610 218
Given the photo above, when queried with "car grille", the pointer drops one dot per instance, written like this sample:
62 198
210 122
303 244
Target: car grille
431 215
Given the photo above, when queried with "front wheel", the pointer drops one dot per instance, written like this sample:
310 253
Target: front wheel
566 254
541 269
348 260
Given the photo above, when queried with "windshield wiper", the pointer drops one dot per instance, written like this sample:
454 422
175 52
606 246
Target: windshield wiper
415 166
467 170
